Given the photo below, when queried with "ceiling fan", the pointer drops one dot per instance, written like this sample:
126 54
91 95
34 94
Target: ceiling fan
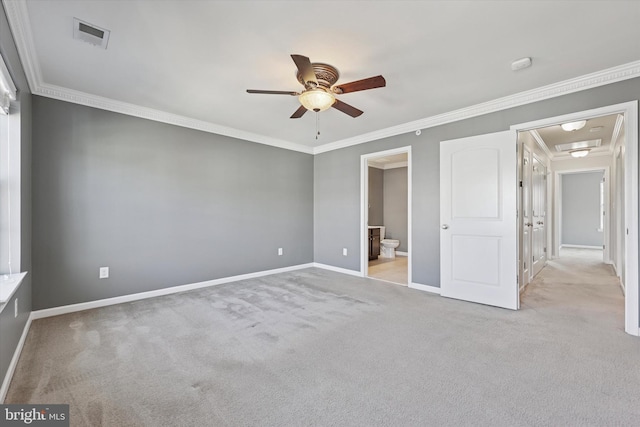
319 91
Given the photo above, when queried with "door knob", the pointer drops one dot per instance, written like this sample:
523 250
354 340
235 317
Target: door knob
540 222
444 226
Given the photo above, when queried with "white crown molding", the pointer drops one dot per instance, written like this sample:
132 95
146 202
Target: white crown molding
18 17
588 81
543 146
389 165
76 97
17 14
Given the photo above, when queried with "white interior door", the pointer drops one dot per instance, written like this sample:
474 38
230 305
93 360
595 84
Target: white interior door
478 240
539 204
526 217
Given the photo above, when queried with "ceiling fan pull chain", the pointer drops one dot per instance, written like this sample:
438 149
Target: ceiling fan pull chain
317 125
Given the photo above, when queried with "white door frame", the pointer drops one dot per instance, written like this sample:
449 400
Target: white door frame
630 111
364 211
557 209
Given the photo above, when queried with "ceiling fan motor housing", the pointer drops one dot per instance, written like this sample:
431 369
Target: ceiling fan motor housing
327 75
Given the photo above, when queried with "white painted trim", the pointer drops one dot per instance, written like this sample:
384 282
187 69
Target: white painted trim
632 309
587 81
630 112
18 17
337 269
426 288
541 144
400 253
56 311
14 360
364 202
386 281
581 247
9 286
76 97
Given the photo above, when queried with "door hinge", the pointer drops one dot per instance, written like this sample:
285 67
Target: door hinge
544 250
520 184
603 247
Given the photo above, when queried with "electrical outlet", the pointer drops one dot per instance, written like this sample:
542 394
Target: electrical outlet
344 251
104 272
15 307
279 251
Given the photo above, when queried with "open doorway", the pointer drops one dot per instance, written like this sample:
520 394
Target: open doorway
582 197
592 211
386 215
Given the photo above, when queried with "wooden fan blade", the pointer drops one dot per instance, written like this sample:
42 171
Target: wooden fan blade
305 68
273 92
299 113
346 108
364 84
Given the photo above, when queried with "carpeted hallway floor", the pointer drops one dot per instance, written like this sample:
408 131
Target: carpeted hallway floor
314 347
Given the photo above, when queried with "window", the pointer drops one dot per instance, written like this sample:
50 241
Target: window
10 187
7 88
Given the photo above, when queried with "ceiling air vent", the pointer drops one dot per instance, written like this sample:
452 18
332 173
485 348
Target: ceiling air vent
90 33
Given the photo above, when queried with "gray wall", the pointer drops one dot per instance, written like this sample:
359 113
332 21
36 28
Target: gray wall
376 196
580 206
395 206
11 327
337 178
160 205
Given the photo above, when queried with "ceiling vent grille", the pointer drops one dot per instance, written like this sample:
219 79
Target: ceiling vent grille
90 33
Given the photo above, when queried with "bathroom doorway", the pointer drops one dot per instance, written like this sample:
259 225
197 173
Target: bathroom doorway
386 215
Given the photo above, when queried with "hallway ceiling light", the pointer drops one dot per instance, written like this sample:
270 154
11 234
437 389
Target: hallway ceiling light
580 153
573 125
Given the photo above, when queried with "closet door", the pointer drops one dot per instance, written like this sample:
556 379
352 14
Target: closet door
538 212
526 223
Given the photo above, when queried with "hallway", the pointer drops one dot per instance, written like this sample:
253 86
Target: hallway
578 285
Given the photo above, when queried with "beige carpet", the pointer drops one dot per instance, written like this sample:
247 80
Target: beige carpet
314 347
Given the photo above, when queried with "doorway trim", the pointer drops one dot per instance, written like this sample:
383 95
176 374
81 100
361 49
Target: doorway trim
557 210
364 203
630 111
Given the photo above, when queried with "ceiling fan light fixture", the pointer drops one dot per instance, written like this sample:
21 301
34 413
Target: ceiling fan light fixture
580 153
573 125
316 99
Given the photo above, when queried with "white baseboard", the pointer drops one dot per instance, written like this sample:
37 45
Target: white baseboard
399 253
56 311
426 288
581 247
14 361
337 269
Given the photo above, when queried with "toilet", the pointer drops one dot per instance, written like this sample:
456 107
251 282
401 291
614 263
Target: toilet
389 248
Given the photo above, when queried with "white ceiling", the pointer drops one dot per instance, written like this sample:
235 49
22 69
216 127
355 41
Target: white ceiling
190 62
